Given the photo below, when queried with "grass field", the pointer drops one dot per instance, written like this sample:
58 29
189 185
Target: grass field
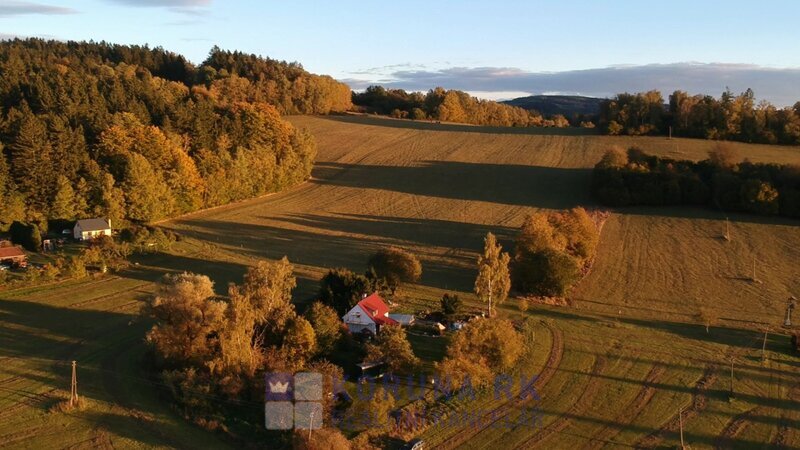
616 366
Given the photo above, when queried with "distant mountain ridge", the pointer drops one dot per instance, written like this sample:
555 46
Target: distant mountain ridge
566 105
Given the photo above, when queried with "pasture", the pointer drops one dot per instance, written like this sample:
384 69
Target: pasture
615 367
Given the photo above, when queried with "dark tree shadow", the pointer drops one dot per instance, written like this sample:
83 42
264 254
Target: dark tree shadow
520 185
463 128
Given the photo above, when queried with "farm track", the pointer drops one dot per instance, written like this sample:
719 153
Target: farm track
698 404
782 438
488 419
582 404
735 426
632 410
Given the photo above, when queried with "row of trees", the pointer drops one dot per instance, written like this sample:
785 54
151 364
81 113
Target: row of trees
450 106
635 178
731 117
138 134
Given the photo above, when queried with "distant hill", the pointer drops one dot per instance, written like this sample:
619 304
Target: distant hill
567 105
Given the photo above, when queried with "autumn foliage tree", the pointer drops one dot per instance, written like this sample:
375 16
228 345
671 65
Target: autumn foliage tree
188 318
551 249
481 349
391 346
395 265
326 324
493 281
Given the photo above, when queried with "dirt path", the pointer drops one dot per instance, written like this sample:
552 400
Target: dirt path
488 420
785 429
582 404
699 403
734 427
632 410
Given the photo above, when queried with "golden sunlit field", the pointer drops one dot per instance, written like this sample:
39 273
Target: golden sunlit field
616 366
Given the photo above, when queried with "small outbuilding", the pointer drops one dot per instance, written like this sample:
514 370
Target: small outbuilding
405 320
88 229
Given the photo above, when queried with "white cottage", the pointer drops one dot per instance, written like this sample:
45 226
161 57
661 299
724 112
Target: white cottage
88 229
369 314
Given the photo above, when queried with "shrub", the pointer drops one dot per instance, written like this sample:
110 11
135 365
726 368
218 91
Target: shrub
341 289
395 265
26 235
615 157
547 273
760 197
482 348
579 232
392 347
450 304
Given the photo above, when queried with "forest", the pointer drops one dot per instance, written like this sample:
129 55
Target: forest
731 117
449 106
723 181
137 134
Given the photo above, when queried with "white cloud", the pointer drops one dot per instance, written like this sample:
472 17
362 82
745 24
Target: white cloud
780 86
10 8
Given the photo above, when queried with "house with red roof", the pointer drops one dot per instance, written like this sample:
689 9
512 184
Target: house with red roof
370 314
13 256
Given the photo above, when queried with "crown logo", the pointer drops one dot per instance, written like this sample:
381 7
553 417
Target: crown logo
278 387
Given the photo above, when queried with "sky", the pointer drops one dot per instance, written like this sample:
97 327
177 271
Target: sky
492 49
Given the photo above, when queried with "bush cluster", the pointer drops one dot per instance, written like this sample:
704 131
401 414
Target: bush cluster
551 250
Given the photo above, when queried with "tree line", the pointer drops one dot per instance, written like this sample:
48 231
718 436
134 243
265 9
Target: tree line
138 134
731 117
635 178
449 106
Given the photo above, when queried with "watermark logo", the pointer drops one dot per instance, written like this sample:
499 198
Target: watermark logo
293 401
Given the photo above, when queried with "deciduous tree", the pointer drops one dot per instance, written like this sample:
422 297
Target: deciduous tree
493 282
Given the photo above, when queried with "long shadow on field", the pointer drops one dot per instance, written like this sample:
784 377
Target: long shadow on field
153 267
690 436
36 330
402 230
733 337
322 249
433 126
519 185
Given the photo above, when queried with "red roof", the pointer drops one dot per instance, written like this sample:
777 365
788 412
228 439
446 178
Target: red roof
11 252
376 310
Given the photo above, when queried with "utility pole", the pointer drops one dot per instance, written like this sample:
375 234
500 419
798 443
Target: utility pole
790 305
727 230
73 395
310 427
755 280
680 420
730 394
764 346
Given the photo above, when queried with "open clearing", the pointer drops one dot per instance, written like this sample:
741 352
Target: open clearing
632 352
